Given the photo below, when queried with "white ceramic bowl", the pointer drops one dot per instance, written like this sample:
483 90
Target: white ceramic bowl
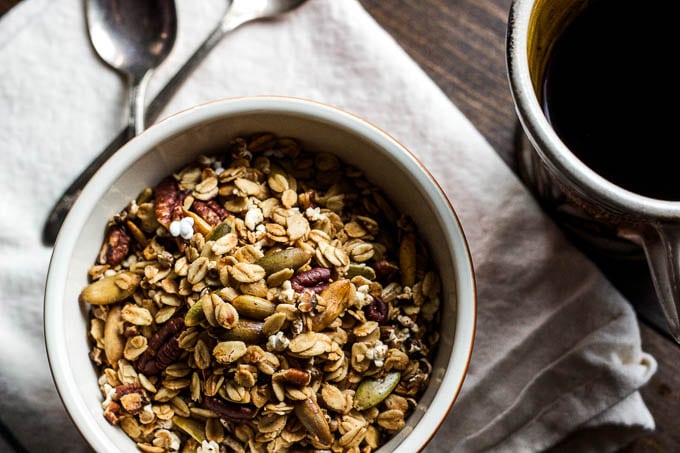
177 141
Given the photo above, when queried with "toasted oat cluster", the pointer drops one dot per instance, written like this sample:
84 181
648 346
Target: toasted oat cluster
262 299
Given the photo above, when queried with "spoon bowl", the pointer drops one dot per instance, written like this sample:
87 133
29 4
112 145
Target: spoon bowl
133 37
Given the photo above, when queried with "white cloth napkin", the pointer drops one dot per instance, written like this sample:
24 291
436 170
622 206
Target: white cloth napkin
557 348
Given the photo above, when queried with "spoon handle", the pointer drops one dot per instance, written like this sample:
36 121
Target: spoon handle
70 195
137 96
163 97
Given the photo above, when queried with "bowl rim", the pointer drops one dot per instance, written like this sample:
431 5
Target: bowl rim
178 123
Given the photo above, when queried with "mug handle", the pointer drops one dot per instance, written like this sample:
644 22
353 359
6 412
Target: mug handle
661 243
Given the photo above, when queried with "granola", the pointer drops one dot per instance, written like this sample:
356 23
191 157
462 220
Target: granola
262 299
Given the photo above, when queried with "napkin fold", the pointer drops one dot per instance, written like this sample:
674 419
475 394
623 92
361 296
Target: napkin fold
557 352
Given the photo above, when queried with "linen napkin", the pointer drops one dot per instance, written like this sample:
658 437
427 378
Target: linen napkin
557 348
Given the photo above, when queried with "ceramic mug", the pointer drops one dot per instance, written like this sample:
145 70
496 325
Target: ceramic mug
594 209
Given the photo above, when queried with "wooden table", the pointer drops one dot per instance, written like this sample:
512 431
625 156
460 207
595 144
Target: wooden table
461 45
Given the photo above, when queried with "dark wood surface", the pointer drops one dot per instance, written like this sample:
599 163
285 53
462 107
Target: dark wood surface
461 45
5 5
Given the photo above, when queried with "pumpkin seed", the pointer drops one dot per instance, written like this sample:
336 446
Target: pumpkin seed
219 230
192 427
371 392
277 278
253 306
293 258
245 330
195 315
111 289
361 270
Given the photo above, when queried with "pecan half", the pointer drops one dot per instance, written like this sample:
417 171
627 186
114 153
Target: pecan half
170 328
385 271
116 246
210 211
168 198
314 279
147 365
228 411
169 352
219 209
163 348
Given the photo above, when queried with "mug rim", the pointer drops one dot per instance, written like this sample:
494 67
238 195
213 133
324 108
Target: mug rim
553 152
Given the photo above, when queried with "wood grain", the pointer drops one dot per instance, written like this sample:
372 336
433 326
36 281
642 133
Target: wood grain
461 45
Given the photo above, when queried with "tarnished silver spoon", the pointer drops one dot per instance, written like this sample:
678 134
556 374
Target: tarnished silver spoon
133 37
238 12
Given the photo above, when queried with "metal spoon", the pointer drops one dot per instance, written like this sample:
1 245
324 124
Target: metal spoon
238 12
133 37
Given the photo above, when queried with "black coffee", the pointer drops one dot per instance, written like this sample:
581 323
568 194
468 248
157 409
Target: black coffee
611 93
